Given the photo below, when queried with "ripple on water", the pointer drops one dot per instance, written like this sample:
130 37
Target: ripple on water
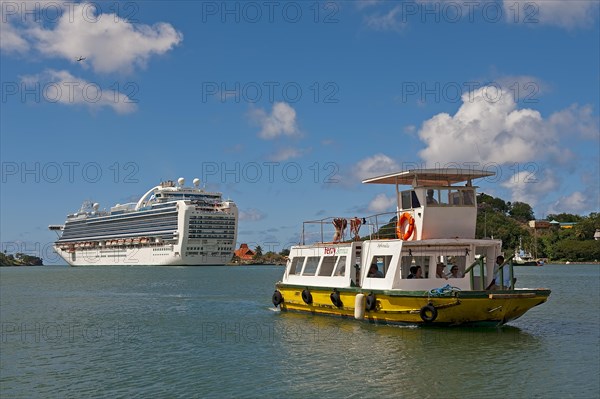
212 332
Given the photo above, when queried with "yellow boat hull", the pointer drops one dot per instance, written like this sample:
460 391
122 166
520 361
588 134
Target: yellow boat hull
462 307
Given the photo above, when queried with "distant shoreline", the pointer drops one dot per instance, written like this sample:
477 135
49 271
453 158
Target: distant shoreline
591 262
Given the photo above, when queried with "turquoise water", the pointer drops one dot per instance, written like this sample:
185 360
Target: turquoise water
211 332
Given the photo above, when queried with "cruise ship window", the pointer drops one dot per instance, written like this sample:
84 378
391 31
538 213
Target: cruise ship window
327 265
311 265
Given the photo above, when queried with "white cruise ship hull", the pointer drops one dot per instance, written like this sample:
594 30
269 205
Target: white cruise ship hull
178 226
164 255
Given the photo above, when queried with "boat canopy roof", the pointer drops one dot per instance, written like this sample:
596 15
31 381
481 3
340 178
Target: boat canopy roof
430 177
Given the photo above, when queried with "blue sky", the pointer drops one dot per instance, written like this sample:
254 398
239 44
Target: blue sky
286 106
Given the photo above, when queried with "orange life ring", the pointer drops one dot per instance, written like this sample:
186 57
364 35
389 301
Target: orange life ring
405 217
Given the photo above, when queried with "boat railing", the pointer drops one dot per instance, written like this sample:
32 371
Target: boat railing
471 269
481 263
344 229
510 264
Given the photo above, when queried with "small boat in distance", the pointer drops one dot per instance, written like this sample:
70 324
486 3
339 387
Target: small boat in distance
524 258
419 265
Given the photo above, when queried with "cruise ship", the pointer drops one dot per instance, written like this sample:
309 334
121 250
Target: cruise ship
169 225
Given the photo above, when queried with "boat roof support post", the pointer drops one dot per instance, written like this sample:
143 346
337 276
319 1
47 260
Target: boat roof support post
397 196
482 279
322 237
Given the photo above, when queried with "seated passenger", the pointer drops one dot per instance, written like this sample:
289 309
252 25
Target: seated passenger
413 272
418 272
374 272
496 282
454 272
439 271
430 198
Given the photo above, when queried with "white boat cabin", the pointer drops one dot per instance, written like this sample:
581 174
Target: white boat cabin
441 238
440 207
346 265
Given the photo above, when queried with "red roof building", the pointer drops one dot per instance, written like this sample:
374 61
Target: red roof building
244 252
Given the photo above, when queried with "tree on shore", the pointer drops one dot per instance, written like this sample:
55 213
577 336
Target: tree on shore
19 259
257 253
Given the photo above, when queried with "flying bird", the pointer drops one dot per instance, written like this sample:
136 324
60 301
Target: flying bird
80 58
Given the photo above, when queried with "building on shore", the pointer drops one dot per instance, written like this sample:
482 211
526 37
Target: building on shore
539 224
244 253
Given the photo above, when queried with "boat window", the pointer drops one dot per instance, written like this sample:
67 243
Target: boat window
327 265
468 197
415 200
432 197
382 262
459 262
311 265
444 198
296 267
340 268
454 197
413 262
447 263
451 197
406 202
409 199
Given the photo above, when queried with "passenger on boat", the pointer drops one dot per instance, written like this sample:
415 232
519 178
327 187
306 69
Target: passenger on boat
374 272
418 272
430 198
413 272
454 272
439 271
494 283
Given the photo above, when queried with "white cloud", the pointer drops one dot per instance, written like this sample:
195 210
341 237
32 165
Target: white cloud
564 14
12 40
378 164
576 203
251 215
63 88
109 43
361 4
389 21
529 186
281 121
410 129
571 14
489 128
382 203
578 120
580 202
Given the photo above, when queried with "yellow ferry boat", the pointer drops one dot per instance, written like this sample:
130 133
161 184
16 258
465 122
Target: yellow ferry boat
424 266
